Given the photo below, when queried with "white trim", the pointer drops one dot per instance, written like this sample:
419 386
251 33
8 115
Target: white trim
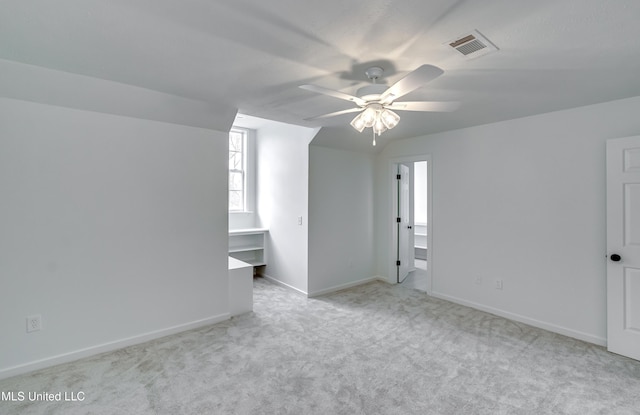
108 347
393 210
247 231
283 284
600 341
390 279
347 285
250 171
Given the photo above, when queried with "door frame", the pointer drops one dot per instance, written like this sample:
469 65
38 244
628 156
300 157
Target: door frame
392 198
403 227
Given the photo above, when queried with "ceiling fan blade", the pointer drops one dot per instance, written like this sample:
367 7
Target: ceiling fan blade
333 93
412 81
333 114
424 106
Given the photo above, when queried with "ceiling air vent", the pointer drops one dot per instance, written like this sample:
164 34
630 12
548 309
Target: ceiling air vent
471 45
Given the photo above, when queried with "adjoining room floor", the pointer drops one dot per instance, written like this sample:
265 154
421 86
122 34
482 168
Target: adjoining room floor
417 279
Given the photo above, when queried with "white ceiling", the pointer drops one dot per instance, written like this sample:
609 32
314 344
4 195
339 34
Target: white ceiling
253 54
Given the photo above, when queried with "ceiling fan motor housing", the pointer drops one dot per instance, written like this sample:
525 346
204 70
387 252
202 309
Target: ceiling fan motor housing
371 92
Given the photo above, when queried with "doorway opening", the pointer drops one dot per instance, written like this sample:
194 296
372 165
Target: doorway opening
411 212
420 221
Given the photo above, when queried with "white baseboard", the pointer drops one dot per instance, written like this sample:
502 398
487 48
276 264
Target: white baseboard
600 341
108 347
283 284
388 280
345 286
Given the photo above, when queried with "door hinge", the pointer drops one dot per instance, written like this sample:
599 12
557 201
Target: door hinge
398 220
398 177
398 263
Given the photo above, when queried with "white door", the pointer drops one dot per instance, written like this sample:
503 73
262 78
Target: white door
403 221
623 246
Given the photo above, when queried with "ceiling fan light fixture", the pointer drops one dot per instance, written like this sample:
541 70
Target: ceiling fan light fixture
369 116
379 127
389 118
377 117
358 122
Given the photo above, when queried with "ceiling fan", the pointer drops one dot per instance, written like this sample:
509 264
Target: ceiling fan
376 102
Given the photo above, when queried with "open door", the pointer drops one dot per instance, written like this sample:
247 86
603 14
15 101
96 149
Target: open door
403 221
623 246
401 224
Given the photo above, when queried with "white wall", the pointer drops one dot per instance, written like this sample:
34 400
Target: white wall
282 175
242 220
522 201
341 208
114 229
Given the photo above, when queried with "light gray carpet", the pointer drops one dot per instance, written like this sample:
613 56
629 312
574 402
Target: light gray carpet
373 349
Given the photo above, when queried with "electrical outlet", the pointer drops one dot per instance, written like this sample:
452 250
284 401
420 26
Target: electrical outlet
479 280
300 220
34 323
498 284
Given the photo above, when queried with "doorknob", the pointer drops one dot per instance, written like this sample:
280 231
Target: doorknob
615 257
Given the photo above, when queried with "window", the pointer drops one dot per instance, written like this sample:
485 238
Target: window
237 170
